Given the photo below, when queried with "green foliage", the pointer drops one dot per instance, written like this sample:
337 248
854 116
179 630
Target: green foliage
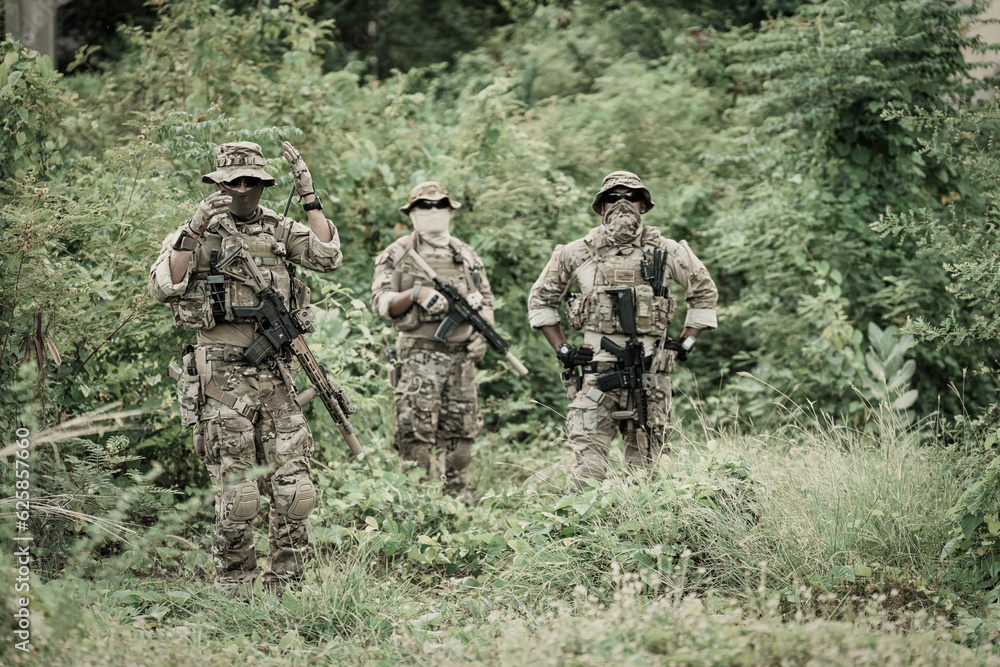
817 164
82 502
977 519
885 390
72 274
764 148
443 539
960 234
31 104
397 35
818 538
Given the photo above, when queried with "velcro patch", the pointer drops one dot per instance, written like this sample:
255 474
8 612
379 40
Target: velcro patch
624 276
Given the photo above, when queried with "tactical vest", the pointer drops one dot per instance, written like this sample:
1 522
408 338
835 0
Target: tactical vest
595 311
211 295
458 268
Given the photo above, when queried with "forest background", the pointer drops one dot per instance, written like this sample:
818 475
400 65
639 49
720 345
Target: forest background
834 489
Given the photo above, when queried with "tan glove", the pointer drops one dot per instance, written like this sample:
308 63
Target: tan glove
215 204
300 172
430 300
476 348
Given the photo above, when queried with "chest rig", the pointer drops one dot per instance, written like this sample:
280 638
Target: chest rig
639 267
455 265
212 292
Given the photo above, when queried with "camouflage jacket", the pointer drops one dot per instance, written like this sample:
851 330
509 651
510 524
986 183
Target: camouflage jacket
271 239
594 265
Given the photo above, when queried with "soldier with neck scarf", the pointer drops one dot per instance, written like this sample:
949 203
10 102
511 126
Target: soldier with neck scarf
619 253
436 398
243 416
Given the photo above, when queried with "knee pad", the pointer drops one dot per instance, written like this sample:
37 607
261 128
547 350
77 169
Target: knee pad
301 501
246 501
459 453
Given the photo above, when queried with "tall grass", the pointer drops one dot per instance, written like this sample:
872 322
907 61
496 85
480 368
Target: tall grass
811 543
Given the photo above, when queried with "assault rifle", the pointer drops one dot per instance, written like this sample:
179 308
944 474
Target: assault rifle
460 310
631 357
278 328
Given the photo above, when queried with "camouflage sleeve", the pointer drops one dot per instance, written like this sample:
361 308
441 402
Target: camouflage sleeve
700 293
548 290
485 290
305 249
382 288
161 286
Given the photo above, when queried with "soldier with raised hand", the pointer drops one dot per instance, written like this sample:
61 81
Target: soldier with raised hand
620 258
436 398
244 415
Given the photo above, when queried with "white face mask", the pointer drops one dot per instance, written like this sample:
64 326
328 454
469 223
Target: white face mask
432 225
622 222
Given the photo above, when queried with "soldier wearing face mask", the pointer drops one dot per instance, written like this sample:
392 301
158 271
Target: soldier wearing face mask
243 415
617 254
437 402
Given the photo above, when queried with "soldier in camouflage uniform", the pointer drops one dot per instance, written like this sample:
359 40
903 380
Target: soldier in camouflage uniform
610 256
243 415
437 402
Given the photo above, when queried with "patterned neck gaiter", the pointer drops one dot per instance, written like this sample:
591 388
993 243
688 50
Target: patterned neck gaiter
622 223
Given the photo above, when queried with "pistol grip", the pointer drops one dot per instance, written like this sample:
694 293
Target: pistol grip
609 345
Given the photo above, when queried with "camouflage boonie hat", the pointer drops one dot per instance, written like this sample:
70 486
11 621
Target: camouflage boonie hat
625 178
430 190
239 158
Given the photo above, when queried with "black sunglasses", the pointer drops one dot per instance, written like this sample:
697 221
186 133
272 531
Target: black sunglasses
248 181
427 203
631 195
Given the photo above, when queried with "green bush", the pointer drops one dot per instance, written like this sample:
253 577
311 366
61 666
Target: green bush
817 164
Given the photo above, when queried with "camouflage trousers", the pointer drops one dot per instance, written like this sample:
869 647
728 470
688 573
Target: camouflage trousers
591 426
277 437
437 408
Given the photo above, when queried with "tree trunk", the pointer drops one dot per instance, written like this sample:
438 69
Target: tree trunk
33 23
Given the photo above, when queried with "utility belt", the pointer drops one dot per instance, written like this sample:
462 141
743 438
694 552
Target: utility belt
234 354
196 379
434 345
598 367
230 353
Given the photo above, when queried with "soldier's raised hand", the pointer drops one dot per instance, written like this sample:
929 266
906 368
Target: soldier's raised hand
300 172
215 204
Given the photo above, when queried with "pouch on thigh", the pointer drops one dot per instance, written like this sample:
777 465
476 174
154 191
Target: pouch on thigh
229 442
418 407
589 423
291 439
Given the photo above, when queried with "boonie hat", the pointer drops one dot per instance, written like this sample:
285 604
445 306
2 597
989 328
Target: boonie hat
236 159
625 178
431 191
